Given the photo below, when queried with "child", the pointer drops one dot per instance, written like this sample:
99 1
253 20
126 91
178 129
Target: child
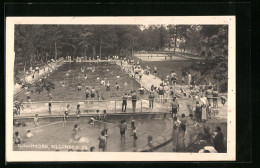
29 134
133 127
108 86
123 129
87 92
92 149
78 111
151 99
92 121
141 89
102 141
155 71
223 100
134 135
174 106
79 86
117 86
17 138
98 115
36 122
67 110
150 143
102 82
104 115
93 91
49 104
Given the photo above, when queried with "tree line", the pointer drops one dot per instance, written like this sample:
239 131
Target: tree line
44 42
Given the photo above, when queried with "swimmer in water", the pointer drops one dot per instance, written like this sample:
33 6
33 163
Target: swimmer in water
117 86
102 141
78 111
35 120
108 86
92 120
79 86
66 114
123 128
17 138
29 134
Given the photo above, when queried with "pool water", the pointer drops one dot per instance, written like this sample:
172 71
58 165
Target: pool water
112 72
51 136
56 136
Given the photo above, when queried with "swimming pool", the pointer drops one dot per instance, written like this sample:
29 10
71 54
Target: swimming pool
71 75
52 136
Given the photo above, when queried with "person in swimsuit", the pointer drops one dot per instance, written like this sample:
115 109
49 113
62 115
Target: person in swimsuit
93 91
124 103
87 92
161 92
174 106
134 99
151 99
29 134
17 138
155 71
66 114
79 86
78 111
123 129
36 120
117 86
108 86
49 104
102 141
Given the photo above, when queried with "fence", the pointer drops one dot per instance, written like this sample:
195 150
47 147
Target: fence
113 106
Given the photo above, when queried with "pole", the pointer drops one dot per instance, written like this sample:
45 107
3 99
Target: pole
115 106
100 48
141 106
55 51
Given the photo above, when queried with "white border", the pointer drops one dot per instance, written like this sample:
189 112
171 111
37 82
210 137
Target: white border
12 156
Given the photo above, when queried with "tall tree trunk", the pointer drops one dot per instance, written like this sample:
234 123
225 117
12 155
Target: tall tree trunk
132 49
55 51
175 39
100 48
50 52
94 51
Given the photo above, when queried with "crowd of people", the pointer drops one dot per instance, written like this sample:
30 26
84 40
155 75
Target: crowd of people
205 97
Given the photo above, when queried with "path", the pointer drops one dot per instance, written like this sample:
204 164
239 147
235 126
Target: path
185 102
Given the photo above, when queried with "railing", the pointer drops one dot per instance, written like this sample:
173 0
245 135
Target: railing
91 106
